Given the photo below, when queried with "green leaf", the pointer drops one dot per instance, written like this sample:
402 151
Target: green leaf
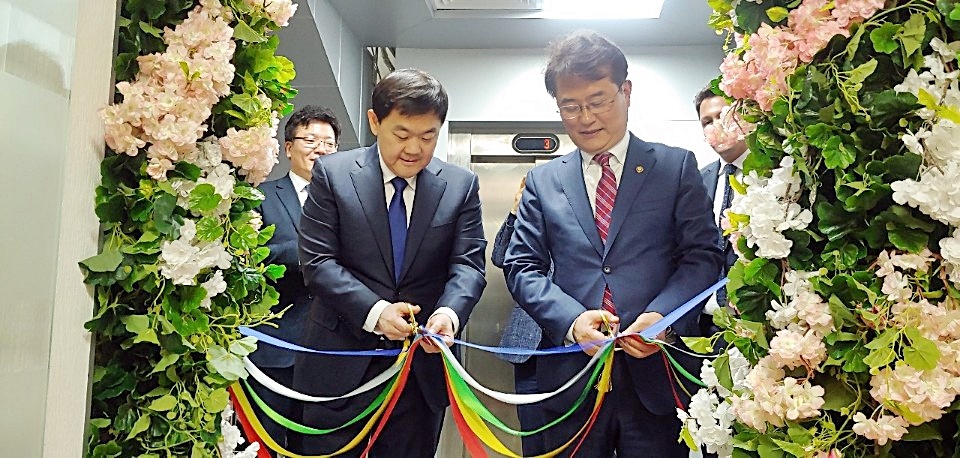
883 37
922 353
838 155
859 74
248 192
836 395
266 234
922 432
217 401
147 28
799 435
912 240
165 362
244 238
777 13
163 207
698 344
163 403
912 34
841 314
243 347
140 426
107 261
226 364
790 447
209 228
204 198
244 32
880 357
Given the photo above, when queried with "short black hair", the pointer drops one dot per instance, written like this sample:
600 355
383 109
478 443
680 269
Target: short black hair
410 92
585 54
704 94
308 115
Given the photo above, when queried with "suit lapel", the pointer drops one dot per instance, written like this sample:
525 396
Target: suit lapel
710 178
571 182
368 182
430 189
637 167
289 199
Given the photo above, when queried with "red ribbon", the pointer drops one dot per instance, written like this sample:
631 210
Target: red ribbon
248 431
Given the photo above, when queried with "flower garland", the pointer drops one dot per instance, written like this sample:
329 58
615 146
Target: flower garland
199 96
844 330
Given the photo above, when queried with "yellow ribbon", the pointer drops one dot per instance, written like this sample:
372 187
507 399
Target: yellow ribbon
273 445
483 432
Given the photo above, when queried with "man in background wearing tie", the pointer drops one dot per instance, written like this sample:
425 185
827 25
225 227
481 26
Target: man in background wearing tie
310 132
732 149
626 226
388 231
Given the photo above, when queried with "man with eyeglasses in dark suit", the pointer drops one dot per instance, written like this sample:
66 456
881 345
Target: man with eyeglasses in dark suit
310 132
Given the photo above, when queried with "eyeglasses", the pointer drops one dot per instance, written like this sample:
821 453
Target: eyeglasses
595 107
311 142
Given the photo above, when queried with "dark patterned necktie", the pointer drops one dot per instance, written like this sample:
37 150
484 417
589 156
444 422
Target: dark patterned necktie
606 196
728 171
397 215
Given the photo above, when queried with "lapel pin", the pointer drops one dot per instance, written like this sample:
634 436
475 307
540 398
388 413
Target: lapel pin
639 169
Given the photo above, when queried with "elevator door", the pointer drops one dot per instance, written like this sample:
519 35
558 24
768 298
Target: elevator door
499 170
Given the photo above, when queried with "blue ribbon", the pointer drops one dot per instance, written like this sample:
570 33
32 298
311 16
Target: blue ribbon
268 339
649 333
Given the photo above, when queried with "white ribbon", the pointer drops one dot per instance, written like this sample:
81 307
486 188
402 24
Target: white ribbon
518 399
276 387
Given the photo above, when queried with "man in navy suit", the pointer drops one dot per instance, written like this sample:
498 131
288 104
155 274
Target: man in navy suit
386 231
732 152
626 226
310 132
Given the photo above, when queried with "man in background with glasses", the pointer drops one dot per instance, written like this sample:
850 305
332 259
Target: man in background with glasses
310 132
627 227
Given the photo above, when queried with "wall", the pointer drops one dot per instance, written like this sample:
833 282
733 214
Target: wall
507 85
54 74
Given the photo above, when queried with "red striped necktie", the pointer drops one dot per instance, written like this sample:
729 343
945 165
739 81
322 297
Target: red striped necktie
606 196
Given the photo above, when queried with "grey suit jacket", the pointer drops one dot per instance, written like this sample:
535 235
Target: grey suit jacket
347 260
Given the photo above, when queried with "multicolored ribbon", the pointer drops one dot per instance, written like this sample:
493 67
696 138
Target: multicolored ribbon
382 413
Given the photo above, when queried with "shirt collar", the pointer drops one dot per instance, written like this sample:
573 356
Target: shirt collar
298 182
738 162
619 151
389 175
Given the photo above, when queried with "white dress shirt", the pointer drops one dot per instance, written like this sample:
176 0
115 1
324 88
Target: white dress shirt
712 305
409 192
299 185
591 178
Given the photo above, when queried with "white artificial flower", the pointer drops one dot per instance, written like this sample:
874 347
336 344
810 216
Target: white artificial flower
213 286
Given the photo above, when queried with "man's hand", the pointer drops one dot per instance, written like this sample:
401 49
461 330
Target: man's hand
394 321
440 324
589 328
634 345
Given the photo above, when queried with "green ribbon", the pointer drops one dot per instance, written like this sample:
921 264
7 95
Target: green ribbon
473 403
676 365
294 426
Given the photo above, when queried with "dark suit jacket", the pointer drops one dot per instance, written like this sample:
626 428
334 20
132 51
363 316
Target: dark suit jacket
281 208
347 261
710 175
660 252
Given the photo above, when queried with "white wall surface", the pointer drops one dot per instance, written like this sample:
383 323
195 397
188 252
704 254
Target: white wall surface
507 85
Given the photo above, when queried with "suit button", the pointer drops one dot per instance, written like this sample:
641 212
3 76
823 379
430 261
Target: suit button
607 269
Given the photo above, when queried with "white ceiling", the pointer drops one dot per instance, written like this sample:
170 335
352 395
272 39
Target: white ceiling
415 24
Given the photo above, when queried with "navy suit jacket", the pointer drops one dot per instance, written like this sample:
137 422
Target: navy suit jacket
347 262
281 207
660 252
711 175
